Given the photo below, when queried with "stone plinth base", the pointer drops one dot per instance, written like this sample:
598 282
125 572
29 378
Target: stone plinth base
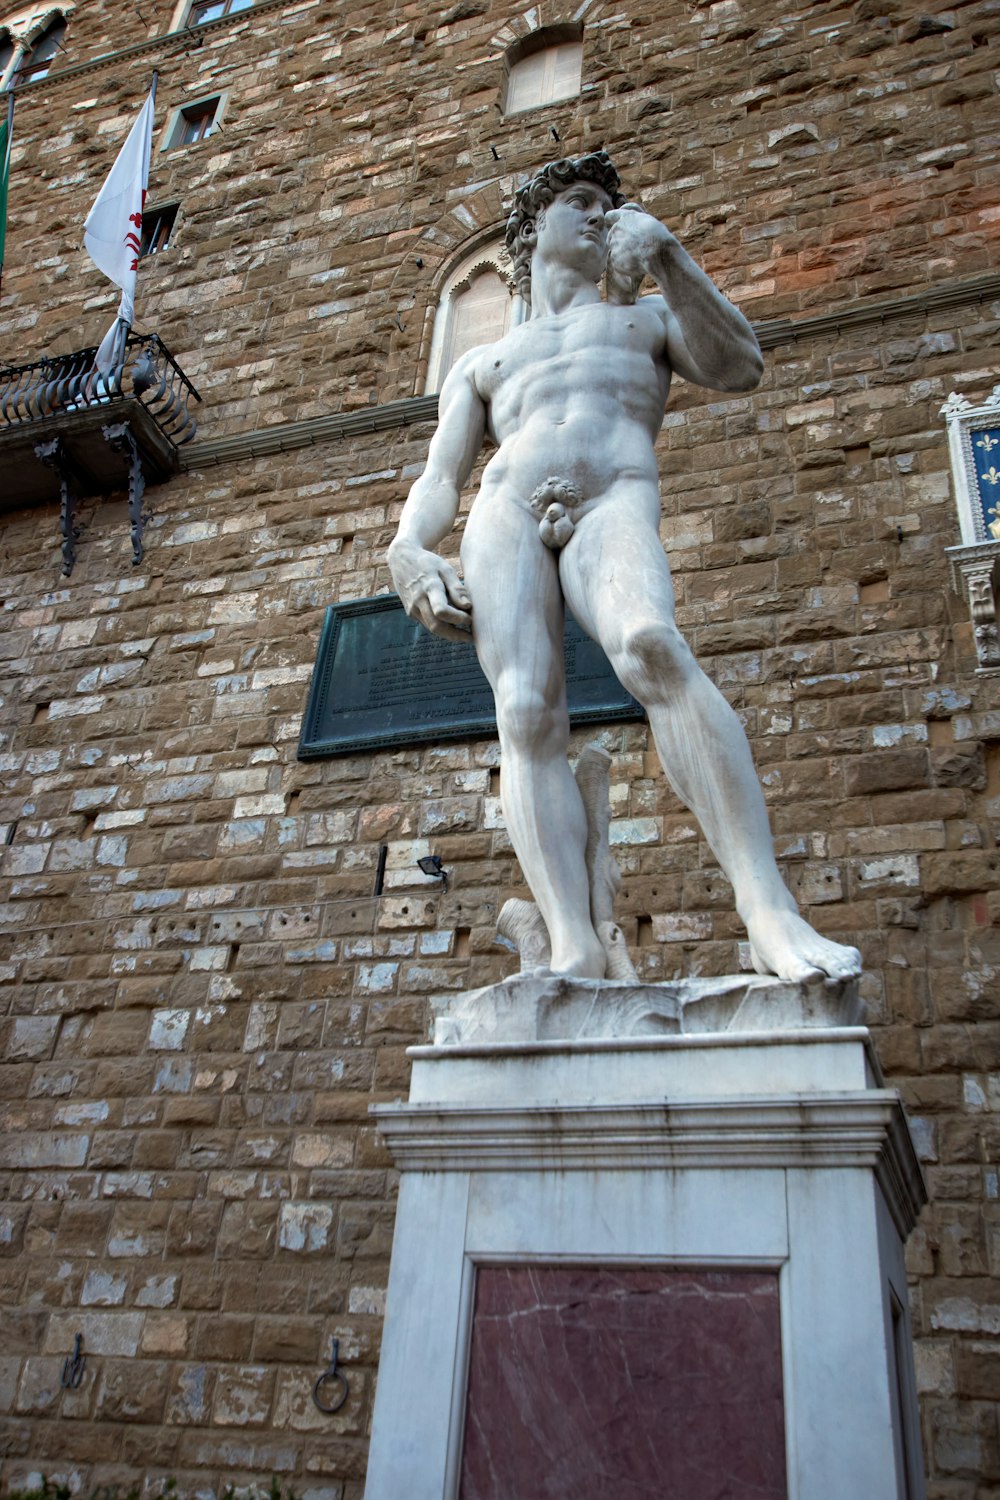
540 1006
668 1265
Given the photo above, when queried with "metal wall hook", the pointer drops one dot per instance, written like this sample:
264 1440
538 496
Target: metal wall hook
333 1399
73 1366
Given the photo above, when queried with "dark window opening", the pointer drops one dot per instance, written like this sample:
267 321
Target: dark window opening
42 55
195 122
157 228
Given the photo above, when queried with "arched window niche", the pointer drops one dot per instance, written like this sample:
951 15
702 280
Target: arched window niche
477 305
543 67
44 51
29 45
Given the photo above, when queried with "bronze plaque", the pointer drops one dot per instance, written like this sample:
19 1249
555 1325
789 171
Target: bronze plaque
382 680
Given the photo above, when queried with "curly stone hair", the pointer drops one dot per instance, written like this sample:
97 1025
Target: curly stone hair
539 191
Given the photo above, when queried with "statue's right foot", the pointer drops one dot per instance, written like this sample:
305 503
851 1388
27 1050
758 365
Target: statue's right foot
783 943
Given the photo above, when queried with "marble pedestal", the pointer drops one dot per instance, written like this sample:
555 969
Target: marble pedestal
649 1266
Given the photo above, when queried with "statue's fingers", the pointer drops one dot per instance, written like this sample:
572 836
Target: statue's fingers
456 619
458 594
614 215
443 612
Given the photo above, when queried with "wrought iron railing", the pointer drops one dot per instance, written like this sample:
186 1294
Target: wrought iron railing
70 383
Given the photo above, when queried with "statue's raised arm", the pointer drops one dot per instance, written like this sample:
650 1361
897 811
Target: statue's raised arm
709 341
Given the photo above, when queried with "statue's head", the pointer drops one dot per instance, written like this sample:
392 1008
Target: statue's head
539 191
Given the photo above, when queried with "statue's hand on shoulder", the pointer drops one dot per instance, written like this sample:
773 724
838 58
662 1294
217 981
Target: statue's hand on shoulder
431 590
635 243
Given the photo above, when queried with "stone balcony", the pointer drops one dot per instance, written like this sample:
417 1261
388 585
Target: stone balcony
67 432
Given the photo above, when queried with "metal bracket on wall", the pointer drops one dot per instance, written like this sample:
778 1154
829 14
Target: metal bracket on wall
53 454
73 1366
119 435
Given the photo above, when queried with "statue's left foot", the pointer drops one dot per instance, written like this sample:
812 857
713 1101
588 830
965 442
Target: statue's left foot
783 943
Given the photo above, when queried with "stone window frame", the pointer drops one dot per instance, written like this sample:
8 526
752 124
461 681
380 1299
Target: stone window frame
975 563
181 18
486 253
542 39
159 225
24 30
169 136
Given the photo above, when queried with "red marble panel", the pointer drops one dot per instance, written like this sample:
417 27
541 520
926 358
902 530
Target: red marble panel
638 1384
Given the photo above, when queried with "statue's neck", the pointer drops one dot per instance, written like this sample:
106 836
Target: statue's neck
558 289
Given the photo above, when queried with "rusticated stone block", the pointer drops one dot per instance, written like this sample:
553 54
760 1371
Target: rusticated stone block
39 1389
189 1399
225 1338
13 1220
131 1391
166 1334
243 1396
248 1230
888 770
959 873
288 1340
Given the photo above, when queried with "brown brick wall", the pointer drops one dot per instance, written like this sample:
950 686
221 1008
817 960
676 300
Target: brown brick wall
200 995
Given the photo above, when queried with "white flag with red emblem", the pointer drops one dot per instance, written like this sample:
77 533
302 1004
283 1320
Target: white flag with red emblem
112 233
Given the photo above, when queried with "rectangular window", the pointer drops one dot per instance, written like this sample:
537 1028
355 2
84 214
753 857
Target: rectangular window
544 77
194 122
210 10
157 227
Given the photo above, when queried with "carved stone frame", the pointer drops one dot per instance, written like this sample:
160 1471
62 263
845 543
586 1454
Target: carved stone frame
975 564
484 253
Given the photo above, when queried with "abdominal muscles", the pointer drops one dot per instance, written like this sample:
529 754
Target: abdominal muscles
589 416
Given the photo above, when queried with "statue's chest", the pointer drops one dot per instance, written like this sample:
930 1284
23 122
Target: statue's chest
566 347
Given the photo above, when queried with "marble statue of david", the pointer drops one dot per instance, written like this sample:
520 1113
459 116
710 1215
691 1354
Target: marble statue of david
568 513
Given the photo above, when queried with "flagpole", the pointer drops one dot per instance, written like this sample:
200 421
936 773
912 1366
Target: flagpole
124 326
5 180
112 235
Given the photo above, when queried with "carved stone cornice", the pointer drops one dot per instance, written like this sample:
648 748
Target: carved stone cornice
286 436
851 1129
168 43
868 311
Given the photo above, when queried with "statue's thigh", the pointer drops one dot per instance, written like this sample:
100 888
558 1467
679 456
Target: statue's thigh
517 605
615 575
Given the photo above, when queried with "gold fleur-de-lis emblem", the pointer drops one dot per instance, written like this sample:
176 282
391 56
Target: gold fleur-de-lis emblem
992 474
987 442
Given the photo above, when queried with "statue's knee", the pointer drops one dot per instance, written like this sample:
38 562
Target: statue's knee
653 659
526 720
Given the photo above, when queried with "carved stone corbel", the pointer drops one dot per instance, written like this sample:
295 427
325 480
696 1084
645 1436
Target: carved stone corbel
977 569
53 454
119 435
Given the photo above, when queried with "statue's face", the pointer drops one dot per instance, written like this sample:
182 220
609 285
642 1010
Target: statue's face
572 231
